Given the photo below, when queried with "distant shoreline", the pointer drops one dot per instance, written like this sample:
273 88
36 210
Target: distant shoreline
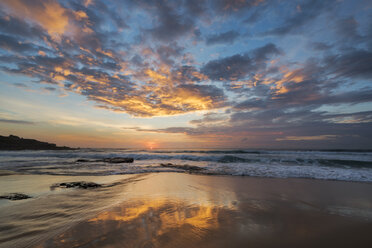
15 143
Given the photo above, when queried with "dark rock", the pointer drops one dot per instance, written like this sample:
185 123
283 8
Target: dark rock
114 160
6 173
118 160
15 196
83 160
167 165
13 142
186 167
80 185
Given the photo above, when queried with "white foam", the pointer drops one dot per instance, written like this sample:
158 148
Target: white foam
347 166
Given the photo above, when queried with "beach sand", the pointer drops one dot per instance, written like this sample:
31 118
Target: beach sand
183 210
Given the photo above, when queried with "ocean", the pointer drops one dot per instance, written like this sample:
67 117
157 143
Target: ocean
327 165
188 196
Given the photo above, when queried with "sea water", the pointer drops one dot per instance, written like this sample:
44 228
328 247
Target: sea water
329 165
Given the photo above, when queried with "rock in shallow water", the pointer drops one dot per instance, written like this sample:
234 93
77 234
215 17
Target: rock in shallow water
83 161
81 185
115 160
15 196
118 160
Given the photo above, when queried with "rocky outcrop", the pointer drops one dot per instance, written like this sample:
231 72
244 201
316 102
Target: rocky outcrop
80 185
114 160
84 161
118 160
15 196
16 143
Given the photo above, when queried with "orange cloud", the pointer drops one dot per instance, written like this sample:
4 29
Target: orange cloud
166 101
288 76
80 15
49 14
87 2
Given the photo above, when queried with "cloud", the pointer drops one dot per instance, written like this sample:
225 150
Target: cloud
276 132
309 10
16 121
165 100
166 92
229 68
170 23
209 118
49 89
172 130
167 52
320 46
347 29
258 12
307 93
148 58
239 66
353 64
222 38
20 85
49 14
307 138
235 5
16 27
263 53
12 44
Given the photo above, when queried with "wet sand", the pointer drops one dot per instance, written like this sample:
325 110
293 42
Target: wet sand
25 223
182 210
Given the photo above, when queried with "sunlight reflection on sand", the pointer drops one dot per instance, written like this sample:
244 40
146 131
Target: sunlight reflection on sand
178 210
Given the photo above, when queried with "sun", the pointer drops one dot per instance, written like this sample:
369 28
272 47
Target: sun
151 145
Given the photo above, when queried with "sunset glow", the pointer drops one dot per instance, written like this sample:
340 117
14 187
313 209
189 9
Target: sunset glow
187 74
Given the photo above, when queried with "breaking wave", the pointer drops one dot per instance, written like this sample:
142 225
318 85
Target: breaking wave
333 165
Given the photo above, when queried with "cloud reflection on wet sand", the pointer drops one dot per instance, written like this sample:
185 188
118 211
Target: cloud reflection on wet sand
253 213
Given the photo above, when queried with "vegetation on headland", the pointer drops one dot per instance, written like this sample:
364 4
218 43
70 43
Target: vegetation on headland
13 142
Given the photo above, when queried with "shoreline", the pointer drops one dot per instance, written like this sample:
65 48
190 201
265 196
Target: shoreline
328 166
239 201
16 173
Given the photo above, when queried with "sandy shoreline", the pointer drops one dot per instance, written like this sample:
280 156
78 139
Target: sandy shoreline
183 210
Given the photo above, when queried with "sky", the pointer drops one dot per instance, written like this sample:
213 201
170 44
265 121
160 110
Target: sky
188 74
